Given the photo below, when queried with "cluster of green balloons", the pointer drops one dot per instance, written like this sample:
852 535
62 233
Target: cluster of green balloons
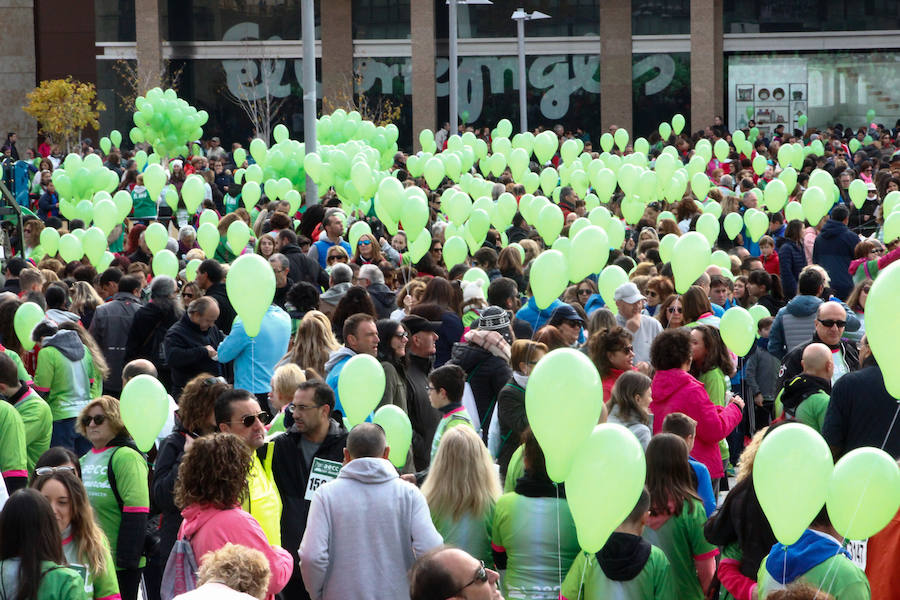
166 122
277 170
862 491
78 181
113 141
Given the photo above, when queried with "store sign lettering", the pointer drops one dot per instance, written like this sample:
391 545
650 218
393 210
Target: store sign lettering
558 77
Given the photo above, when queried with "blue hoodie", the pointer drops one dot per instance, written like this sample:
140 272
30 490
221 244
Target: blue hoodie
534 317
833 250
255 358
787 563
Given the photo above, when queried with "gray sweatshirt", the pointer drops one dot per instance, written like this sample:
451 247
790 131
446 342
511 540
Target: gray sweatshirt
365 529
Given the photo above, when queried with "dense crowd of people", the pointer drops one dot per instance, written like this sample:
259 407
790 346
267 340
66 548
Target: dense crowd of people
258 481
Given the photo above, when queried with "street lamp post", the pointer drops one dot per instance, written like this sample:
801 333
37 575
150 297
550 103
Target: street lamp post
308 18
520 16
454 65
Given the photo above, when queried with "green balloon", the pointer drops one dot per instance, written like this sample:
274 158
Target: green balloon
250 272
50 241
477 275
27 316
545 145
208 238
665 130
864 493
165 263
156 237
815 205
550 223
858 192
613 450
415 214
190 270
609 281
434 173
561 427
757 223
563 244
892 227
793 462
360 387
106 216
776 194
238 235
94 244
419 247
144 407
733 225
209 216
759 164
882 325
124 204
620 137
678 124
615 230
250 194
549 277
793 211
397 430
759 312
708 225
738 329
606 142
690 257
455 251
70 247
721 259
192 191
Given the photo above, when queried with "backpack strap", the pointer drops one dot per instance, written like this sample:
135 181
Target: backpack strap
111 477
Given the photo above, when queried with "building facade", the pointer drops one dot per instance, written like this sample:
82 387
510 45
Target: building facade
594 63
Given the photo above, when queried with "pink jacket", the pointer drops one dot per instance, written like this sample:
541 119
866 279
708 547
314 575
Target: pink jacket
675 390
210 528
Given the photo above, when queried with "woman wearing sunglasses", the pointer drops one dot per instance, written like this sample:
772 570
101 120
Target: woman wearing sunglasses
671 312
84 543
367 252
115 476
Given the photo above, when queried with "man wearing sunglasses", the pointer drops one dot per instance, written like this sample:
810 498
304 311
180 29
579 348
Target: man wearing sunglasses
366 512
831 319
449 572
238 412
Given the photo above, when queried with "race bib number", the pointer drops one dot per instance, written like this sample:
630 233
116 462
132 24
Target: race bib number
857 550
322 472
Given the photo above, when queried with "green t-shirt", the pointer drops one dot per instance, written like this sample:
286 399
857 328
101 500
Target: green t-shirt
71 384
538 536
58 582
231 203
586 580
131 481
812 410
143 206
514 470
13 454
472 533
716 385
21 373
836 576
681 538
96 585
38 421
454 418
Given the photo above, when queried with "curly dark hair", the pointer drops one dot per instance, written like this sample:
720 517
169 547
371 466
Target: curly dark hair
602 343
671 349
197 401
214 471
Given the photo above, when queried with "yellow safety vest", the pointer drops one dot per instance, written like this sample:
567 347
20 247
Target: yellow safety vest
264 501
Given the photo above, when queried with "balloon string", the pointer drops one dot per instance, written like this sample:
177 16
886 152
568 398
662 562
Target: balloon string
862 495
558 542
583 571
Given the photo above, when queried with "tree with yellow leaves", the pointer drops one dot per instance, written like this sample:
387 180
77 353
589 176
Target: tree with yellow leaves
64 107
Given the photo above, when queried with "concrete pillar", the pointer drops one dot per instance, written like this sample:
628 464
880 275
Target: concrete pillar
707 63
149 45
17 70
337 49
616 96
424 80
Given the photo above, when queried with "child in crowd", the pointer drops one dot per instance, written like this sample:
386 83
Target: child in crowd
768 256
628 567
677 517
761 376
686 428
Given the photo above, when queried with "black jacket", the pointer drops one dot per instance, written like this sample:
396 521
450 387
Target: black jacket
791 366
185 347
486 373
110 327
741 520
304 268
226 311
291 474
861 412
423 417
145 338
383 298
513 421
162 492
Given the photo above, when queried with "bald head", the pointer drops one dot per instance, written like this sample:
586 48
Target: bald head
366 440
817 361
139 366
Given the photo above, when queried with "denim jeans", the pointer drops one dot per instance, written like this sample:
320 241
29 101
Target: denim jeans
64 435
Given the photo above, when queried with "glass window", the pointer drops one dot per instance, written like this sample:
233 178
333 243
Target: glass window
660 17
743 16
380 19
214 20
567 18
828 87
114 20
661 89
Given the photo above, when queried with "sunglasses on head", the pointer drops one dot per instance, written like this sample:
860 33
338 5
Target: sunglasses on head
214 380
829 323
249 420
87 419
41 471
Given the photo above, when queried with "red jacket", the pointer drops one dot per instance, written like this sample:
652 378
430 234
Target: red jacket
771 264
675 390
